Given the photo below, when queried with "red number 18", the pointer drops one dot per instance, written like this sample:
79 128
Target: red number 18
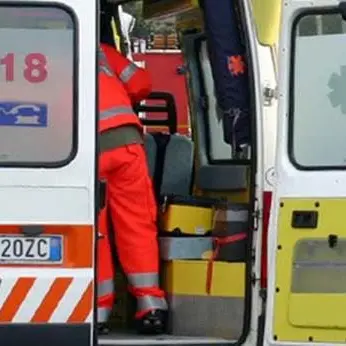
35 67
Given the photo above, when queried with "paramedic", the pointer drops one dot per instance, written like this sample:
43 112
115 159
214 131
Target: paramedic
129 198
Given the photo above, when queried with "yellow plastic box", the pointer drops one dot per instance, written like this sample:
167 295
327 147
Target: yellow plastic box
187 215
195 313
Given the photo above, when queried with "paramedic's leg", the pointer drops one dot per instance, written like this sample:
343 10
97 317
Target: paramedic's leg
105 274
133 210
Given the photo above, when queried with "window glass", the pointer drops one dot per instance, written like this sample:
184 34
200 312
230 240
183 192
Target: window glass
218 149
37 85
318 99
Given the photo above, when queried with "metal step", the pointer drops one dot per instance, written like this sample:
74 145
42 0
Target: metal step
129 338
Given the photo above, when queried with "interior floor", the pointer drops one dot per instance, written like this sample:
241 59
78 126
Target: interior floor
131 338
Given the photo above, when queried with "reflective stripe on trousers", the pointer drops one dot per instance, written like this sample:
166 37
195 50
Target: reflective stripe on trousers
151 303
147 302
105 288
127 73
103 314
114 111
143 280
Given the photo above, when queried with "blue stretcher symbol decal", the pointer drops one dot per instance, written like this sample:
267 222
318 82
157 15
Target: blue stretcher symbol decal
23 114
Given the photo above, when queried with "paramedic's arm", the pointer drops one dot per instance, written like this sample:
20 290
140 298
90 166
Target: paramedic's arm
139 85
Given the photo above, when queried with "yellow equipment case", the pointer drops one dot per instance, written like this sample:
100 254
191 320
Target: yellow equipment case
187 215
201 241
194 312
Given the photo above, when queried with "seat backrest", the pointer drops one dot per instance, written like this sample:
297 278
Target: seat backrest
170 156
151 151
170 160
178 166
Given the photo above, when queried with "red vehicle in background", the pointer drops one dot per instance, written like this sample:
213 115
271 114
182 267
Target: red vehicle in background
167 71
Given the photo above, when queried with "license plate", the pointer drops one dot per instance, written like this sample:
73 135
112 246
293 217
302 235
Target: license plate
21 249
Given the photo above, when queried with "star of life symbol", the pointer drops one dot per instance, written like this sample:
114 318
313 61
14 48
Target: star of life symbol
337 83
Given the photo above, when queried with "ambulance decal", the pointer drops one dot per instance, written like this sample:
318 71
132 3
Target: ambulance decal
23 114
46 299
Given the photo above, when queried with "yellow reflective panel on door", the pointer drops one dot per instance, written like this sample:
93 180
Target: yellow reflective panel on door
310 283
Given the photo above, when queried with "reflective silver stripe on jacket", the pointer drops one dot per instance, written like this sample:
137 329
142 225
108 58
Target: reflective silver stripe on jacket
143 280
113 111
105 287
127 73
103 314
113 138
151 303
103 64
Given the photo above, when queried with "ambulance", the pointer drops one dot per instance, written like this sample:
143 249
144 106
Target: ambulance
214 207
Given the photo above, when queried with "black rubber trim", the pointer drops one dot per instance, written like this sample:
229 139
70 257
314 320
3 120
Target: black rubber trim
75 78
45 334
162 141
261 326
253 184
117 342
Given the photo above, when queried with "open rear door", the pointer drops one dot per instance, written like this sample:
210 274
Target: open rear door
47 172
307 238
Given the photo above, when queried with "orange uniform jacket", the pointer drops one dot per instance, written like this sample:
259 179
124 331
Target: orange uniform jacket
136 81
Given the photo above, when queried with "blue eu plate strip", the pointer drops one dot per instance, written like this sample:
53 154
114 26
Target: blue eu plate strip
55 249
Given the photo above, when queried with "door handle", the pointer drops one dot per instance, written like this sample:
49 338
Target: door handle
304 219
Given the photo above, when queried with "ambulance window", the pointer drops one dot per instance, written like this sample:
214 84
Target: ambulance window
321 24
37 82
317 93
218 148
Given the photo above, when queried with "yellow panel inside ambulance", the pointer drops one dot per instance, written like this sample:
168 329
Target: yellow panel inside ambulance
206 298
267 14
310 299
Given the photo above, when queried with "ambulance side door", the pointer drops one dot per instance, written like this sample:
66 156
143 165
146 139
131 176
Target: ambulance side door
307 242
48 171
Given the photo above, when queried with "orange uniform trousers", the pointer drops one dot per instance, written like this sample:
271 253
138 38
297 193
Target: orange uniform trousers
131 205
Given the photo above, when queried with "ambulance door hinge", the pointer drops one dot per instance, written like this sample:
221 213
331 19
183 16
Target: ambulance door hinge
253 255
254 279
256 215
263 294
269 94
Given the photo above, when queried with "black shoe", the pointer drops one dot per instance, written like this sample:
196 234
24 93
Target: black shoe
102 329
153 323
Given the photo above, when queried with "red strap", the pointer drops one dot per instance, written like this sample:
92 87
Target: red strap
219 241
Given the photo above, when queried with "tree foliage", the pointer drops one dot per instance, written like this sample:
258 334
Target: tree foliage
144 28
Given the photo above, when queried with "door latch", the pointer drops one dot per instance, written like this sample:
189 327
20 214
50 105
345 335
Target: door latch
332 240
269 94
